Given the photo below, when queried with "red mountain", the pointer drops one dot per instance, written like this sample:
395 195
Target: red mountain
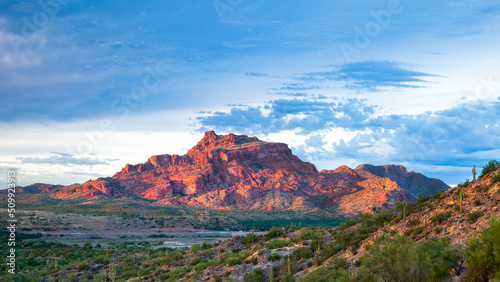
241 172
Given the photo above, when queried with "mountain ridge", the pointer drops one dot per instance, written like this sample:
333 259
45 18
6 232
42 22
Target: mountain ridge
240 172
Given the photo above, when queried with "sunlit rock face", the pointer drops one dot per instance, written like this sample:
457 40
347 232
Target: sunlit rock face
240 172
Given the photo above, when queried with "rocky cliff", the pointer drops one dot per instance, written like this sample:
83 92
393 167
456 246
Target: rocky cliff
241 172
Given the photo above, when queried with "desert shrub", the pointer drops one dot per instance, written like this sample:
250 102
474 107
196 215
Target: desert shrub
201 266
438 230
414 231
316 244
423 199
233 260
129 274
274 244
401 259
477 202
250 238
303 252
177 272
252 261
348 224
309 235
414 222
354 238
243 255
214 263
482 254
495 178
489 167
382 217
440 217
331 249
274 232
465 184
471 217
289 265
273 256
256 275
195 248
206 246
326 274
195 261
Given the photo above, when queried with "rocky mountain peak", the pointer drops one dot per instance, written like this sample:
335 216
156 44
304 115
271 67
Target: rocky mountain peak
230 141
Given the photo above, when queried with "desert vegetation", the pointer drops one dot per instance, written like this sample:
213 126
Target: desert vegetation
454 234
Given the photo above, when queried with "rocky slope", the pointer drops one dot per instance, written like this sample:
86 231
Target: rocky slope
446 215
241 172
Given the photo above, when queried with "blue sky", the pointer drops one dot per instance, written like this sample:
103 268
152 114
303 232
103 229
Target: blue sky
88 86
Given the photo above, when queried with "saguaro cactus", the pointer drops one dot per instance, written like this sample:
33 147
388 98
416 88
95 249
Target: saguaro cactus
460 199
317 255
425 225
289 264
404 209
352 267
474 173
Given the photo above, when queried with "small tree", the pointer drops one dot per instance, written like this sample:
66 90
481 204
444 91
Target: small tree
491 166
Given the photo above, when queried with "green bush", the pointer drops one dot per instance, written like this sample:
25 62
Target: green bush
274 232
214 263
326 274
483 255
495 178
309 235
195 261
491 166
177 272
331 249
440 217
382 217
303 252
233 260
348 224
471 217
206 246
201 266
274 244
401 259
250 238
273 256
289 265
256 275
465 184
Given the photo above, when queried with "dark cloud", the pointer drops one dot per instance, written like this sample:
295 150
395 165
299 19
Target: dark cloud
371 75
365 75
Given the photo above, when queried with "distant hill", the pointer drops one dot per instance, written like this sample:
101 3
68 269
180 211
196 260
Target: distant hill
241 173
